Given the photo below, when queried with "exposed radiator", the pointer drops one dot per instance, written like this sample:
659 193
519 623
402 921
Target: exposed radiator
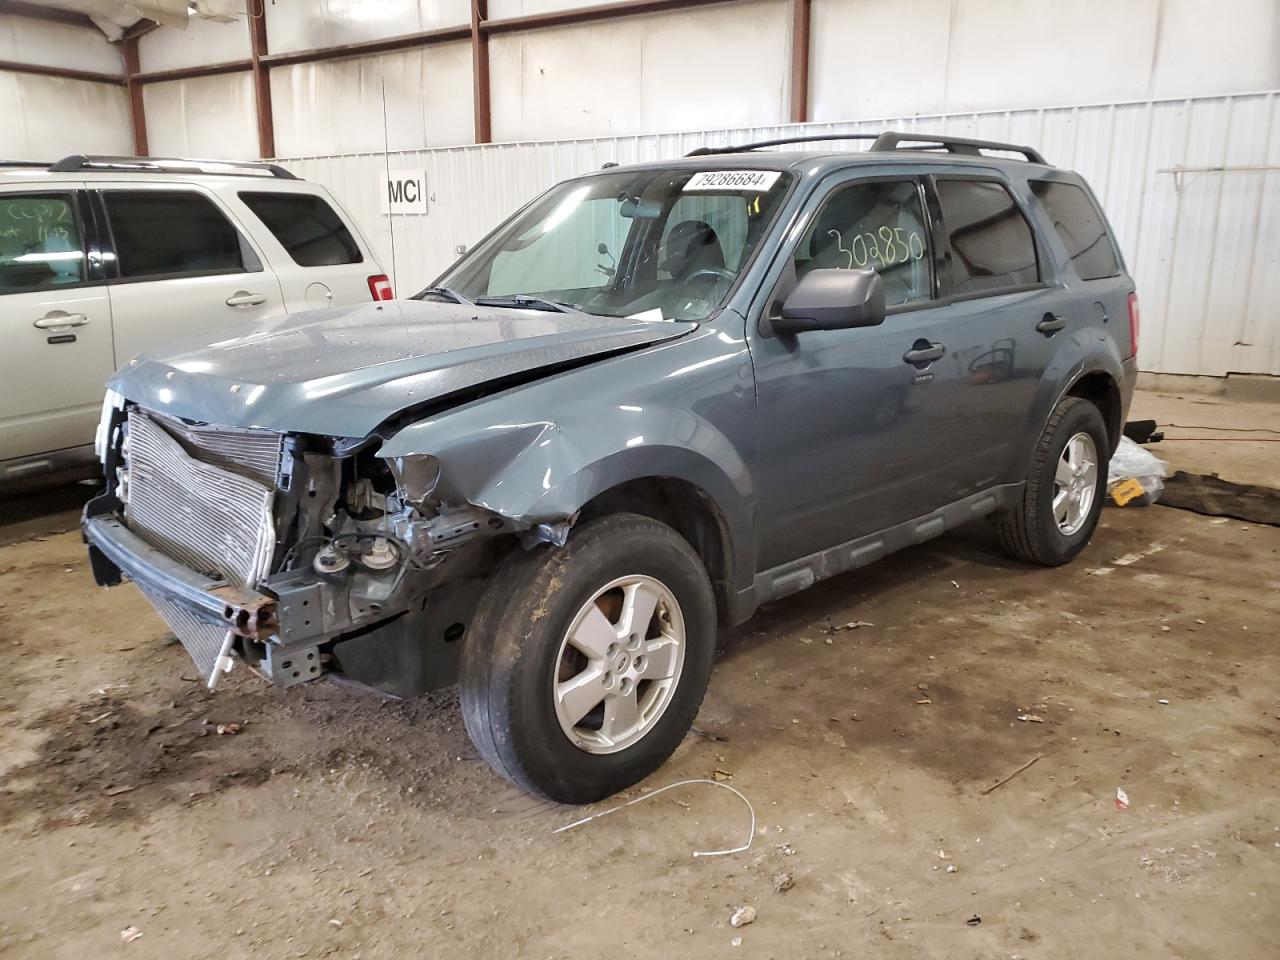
201 639
209 508
251 453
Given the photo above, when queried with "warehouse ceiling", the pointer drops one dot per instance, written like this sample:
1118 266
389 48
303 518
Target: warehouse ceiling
113 17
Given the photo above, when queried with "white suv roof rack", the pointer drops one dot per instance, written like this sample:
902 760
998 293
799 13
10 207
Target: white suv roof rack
239 168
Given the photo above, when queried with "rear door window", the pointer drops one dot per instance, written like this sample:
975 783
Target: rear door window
1079 225
171 233
307 227
41 243
992 247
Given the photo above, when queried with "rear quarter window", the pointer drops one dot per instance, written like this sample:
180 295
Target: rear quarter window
1081 228
308 228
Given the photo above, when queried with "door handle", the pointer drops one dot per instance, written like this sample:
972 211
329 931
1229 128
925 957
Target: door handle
923 352
243 298
1050 324
58 320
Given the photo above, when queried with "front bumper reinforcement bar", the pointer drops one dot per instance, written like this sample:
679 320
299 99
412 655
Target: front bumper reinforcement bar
243 611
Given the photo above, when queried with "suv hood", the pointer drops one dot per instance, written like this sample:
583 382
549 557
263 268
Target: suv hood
342 372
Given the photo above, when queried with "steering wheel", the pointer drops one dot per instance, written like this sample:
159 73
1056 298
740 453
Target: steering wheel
714 273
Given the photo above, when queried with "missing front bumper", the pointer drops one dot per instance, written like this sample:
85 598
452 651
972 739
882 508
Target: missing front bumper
200 611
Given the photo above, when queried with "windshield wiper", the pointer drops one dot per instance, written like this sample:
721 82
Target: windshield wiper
526 302
452 294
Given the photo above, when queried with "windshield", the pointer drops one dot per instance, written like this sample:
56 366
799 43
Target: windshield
658 243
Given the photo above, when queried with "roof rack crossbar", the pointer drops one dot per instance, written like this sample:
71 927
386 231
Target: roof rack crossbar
892 140
889 140
80 161
781 141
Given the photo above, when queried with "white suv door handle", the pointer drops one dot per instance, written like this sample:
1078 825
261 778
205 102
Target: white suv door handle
58 320
243 298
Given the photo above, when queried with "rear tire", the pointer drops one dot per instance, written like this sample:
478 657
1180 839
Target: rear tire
587 664
1062 500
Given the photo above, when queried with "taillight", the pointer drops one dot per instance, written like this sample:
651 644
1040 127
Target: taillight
1133 324
380 288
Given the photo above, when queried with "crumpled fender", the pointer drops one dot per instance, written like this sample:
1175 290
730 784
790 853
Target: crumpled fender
540 469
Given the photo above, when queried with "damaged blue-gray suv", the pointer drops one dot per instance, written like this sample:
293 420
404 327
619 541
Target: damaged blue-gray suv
653 399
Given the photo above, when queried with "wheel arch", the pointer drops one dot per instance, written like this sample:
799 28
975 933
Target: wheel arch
1101 389
690 511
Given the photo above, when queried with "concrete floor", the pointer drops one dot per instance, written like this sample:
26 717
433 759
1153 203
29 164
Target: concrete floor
336 824
1237 441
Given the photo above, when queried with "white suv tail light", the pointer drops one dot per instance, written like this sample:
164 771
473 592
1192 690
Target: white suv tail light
380 288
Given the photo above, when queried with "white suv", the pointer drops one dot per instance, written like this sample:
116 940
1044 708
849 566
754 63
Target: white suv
101 257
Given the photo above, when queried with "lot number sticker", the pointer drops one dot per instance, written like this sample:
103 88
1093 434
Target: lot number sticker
755 181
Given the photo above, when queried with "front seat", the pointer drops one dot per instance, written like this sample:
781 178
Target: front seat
692 245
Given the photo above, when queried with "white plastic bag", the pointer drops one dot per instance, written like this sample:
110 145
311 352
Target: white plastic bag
1132 460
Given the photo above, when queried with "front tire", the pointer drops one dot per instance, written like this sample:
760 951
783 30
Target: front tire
1065 488
587 664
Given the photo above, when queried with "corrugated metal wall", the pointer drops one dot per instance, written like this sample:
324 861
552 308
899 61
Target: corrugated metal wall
1204 244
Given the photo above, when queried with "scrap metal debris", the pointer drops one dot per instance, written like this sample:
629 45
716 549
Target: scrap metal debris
851 625
1001 783
751 835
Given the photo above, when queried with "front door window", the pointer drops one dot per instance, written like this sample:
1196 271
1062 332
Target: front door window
872 226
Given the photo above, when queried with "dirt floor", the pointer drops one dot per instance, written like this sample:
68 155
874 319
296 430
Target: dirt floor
337 824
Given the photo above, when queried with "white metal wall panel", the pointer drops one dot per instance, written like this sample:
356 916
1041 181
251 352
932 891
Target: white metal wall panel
202 42
51 118
944 56
202 117
25 40
1214 48
308 24
724 65
1202 246
338 105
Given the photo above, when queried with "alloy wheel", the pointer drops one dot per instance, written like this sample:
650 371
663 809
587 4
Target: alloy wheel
619 664
1075 484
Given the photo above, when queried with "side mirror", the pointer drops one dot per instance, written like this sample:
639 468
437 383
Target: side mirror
832 300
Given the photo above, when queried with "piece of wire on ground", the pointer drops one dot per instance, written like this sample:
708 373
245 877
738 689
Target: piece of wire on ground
671 786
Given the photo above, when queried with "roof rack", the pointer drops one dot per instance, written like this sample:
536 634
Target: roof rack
239 168
24 163
892 140
782 141
889 140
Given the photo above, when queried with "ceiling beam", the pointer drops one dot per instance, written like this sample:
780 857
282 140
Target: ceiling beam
187 73
16 8
133 90
140 29
262 82
63 73
801 12
405 41
481 101
603 11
